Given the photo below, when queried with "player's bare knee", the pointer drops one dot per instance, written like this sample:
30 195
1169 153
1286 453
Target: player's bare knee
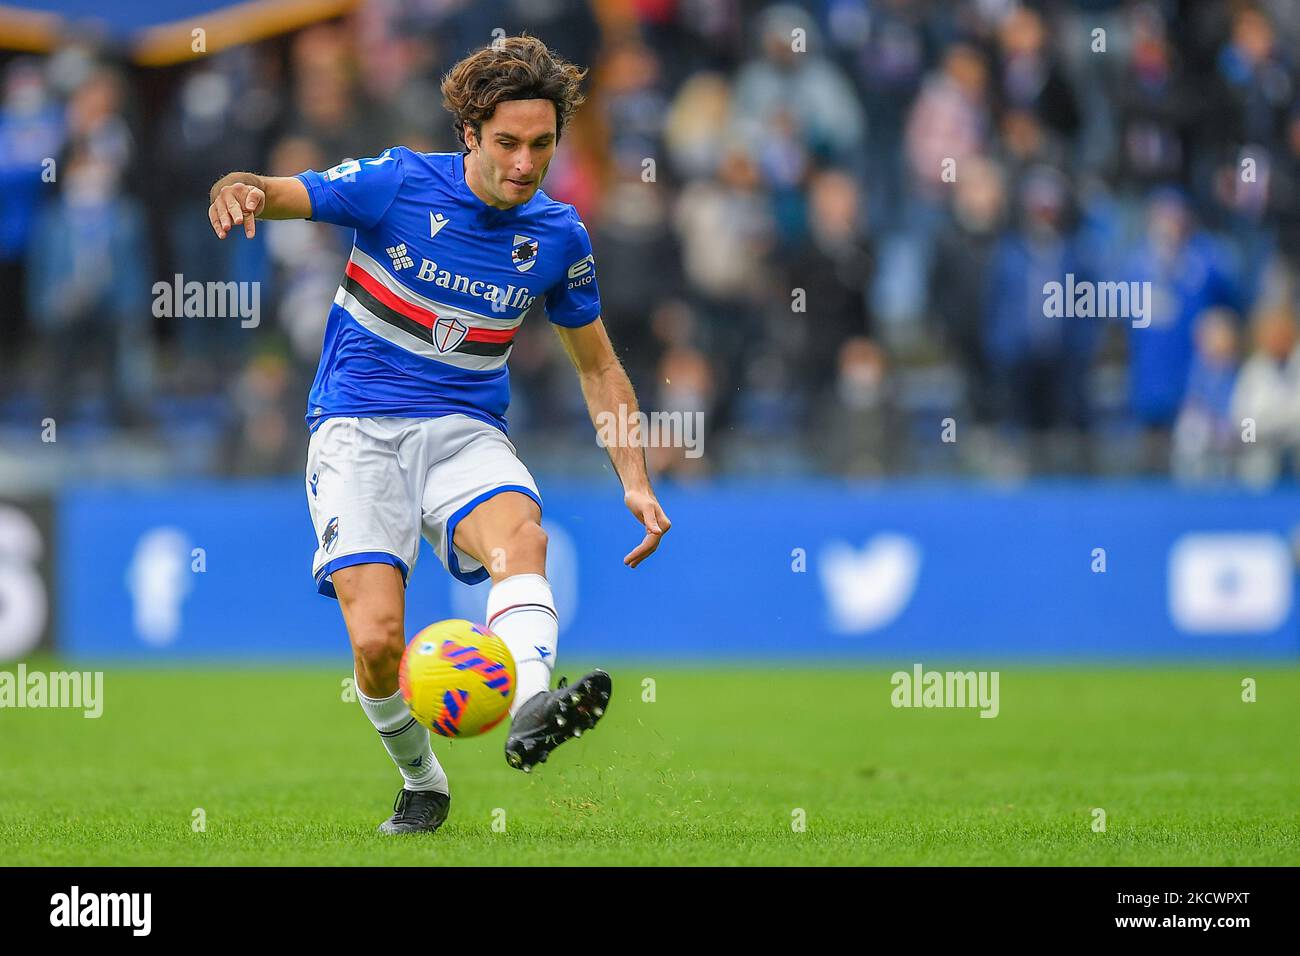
528 546
377 637
377 645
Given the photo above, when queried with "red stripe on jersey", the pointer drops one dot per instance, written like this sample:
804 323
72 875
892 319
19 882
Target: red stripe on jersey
389 298
491 335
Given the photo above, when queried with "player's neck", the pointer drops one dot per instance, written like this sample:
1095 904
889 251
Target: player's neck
474 180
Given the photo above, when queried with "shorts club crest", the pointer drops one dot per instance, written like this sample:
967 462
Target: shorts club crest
330 536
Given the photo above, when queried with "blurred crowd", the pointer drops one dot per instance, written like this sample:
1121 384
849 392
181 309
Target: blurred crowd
828 228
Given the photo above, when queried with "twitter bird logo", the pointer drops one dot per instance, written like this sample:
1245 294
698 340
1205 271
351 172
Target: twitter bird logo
868 589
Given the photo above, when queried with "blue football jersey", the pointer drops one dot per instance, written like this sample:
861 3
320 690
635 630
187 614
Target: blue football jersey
436 287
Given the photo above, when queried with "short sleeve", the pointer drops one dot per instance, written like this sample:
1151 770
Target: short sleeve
357 192
575 300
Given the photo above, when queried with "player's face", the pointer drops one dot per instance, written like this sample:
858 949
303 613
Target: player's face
515 150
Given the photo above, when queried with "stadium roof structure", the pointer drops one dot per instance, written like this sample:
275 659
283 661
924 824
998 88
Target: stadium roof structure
158 34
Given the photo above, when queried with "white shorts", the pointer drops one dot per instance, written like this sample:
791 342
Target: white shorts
374 485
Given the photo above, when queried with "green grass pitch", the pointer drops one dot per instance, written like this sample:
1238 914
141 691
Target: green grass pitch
716 770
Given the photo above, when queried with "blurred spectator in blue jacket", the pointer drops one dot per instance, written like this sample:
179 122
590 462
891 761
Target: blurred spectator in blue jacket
1041 361
89 291
31 136
1258 76
1188 272
1205 434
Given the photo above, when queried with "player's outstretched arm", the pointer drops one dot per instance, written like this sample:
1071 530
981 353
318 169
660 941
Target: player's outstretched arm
243 198
608 392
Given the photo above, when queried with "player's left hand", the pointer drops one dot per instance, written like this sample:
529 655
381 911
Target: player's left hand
645 507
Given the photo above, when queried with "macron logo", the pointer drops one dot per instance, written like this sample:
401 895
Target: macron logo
436 221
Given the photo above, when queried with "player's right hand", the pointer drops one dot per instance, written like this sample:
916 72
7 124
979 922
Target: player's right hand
236 204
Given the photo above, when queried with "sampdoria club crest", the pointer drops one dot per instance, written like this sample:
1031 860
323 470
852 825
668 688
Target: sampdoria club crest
524 253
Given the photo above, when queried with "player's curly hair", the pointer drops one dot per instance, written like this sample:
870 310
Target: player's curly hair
512 68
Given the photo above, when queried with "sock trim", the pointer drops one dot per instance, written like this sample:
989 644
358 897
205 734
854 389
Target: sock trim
400 730
514 607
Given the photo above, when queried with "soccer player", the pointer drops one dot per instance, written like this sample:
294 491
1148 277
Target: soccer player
408 434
